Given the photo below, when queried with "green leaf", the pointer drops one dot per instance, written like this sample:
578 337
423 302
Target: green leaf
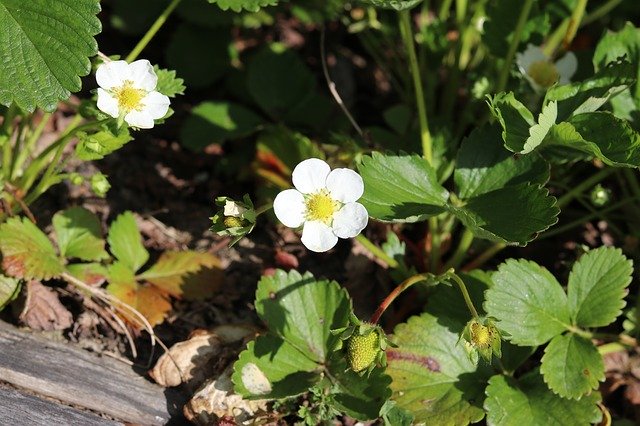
96 146
189 274
392 4
597 287
528 303
400 188
125 242
572 366
286 147
392 415
483 165
79 234
529 401
168 83
303 311
216 122
27 252
614 45
93 273
9 289
44 50
432 376
279 81
589 95
600 134
239 5
273 368
513 215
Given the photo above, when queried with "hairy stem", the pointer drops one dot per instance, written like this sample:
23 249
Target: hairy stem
151 32
515 41
395 293
465 294
461 250
377 251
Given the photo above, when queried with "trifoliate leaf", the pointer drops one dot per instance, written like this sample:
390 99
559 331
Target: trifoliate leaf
79 234
271 367
303 311
189 274
572 366
512 215
168 83
125 242
45 48
432 376
601 135
27 252
597 287
528 303
9 289
392 4
528 401
484 165
239 5
151 303
95 146
400 188
215 122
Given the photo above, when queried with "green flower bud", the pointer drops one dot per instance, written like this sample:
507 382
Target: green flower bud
100 185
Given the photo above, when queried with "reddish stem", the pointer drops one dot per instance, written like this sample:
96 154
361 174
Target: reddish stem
394 294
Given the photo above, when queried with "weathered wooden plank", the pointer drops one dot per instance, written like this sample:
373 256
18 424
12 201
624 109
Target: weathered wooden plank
75 376
17 409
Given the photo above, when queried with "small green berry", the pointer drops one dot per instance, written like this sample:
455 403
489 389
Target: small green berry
362 350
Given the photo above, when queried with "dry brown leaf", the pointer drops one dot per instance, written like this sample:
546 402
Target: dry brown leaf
43 310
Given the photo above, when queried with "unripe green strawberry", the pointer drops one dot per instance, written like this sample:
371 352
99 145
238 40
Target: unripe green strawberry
362 350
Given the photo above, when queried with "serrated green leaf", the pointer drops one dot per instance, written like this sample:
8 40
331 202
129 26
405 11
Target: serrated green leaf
303 310
528 401
392 4
93 273
614 45
279 81
79 234
95 146
9 289
589 95
168 83
432 376
392 415
572 366
27 252
215 122
484 165
239 5
270 367
599 134
44 50
189 274
528 303
597 287
512 215
400 188
125 242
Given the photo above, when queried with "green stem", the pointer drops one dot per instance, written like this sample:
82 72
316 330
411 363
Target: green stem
600 12
632 179
445 8
30 143
556 37
263 208
515 41
407 37
395 293
434 255
465 294
5 139
152 31
484 256
461 250
574 22
583 186
377 251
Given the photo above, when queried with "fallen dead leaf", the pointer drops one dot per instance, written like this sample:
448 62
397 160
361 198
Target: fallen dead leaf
42 309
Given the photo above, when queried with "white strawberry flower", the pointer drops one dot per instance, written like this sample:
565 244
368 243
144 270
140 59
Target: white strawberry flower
128 92
541 71
323 203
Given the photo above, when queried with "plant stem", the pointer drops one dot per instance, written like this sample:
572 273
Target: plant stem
515 41
465 294
484 256
600 12
574 22
632 179
151 32
395 293
434 255
30 143
5 139
445 7
583 186
461 250
377 251
407 37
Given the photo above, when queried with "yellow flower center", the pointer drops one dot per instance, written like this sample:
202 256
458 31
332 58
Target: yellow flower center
129 98
320 206
480 335
544 73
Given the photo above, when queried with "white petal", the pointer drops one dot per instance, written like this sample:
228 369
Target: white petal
112 74
155 104
350 220
310 175
345 185
231 208
567 66
529 56
107 103
318 237
142 75
289 208
139 119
